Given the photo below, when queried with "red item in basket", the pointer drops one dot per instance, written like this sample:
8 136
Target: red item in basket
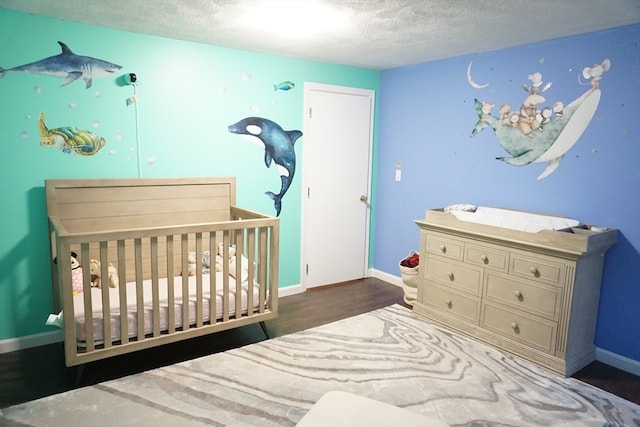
411 261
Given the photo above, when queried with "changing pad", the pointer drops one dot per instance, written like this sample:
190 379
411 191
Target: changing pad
514 220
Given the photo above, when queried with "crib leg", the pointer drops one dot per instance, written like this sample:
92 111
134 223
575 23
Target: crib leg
264 329
79 372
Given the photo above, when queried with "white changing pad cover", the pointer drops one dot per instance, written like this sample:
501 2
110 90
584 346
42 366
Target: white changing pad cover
132 318
515 220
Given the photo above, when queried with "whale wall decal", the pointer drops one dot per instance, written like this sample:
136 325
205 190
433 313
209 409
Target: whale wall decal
537 133
278 148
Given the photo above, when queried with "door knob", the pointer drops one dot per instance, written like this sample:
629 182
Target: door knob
363 198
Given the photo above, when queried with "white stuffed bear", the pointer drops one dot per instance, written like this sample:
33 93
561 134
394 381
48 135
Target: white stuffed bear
191 259
112 274
232 250
244 262
219 257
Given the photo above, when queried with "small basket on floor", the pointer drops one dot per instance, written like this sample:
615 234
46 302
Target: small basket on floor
409 273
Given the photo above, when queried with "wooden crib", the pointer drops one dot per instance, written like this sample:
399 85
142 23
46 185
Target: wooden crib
183 261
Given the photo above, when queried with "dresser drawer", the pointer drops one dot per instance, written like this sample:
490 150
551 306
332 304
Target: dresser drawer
536 298
532 331
537 268
443 246
486 256
452 274
453 303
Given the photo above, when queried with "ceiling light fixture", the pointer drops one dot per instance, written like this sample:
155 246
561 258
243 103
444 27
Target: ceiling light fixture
294 18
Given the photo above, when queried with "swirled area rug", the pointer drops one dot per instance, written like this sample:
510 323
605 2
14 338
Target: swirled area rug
390 355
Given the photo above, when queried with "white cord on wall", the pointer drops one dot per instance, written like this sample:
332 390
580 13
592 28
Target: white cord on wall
131 79
135 105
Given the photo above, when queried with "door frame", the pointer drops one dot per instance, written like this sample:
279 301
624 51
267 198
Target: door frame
308 87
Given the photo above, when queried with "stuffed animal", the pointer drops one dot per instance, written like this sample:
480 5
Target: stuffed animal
244 262
112 273
219 257
206 262
76 273
232 250
191 259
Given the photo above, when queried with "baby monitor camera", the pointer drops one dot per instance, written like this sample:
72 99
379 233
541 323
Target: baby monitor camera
131 78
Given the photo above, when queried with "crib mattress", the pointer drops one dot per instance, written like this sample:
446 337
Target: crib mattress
132 309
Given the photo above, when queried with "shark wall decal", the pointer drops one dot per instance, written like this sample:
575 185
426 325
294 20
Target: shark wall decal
278 148
67 65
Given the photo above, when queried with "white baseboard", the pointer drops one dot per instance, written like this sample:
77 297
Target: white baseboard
389 278
290 290
617 361
21 343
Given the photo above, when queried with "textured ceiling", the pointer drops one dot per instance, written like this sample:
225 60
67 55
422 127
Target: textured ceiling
382 33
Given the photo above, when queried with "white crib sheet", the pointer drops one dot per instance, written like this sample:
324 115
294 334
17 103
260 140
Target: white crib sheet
132 318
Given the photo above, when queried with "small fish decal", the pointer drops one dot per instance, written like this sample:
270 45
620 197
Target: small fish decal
278 148
67 65
286 85
70 139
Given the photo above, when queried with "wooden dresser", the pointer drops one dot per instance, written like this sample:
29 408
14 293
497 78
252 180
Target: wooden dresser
532 294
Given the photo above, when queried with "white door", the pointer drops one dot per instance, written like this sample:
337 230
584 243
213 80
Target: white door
338 137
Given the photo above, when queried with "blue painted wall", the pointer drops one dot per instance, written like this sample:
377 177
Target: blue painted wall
188 95
425 122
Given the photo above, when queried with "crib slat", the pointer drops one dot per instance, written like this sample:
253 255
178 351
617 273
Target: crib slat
263 254
199 295
104 287
185 282
137 245
86 292
274 267
171 311
251 250
238 273
155 293
122 292
213 278
225 276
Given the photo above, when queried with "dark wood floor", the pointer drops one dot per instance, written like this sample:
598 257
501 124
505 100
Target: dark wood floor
38 372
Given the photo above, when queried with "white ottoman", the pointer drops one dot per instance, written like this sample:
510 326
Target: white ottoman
340 409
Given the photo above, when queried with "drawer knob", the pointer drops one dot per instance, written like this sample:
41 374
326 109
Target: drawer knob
443 248
518 295
515 327
534 271
484 259
450 274
448 302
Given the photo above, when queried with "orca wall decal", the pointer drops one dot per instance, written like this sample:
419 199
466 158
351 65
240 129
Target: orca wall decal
278 148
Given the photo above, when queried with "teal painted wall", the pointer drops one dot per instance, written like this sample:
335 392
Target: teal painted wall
188 94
